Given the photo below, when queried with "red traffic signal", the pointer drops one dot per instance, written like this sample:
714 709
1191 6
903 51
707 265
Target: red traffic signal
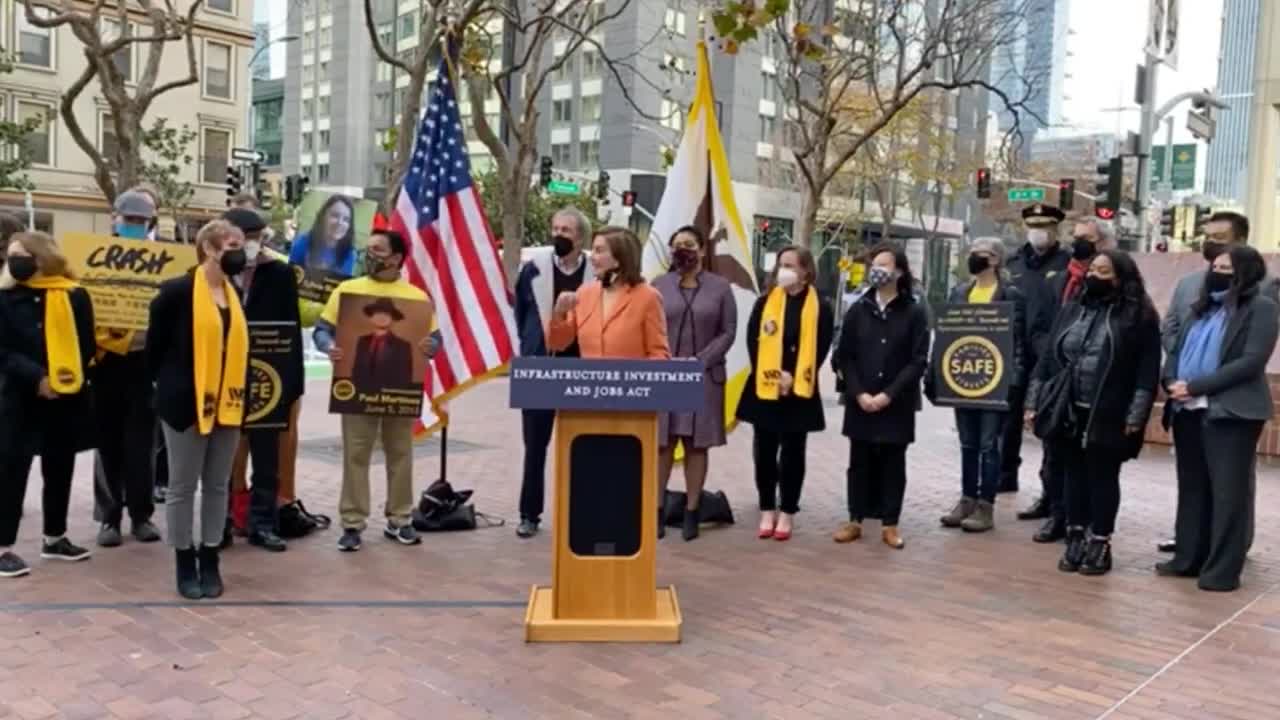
1105 213
984 183
628 198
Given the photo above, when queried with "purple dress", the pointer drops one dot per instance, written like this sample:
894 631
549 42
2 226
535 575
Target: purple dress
701 322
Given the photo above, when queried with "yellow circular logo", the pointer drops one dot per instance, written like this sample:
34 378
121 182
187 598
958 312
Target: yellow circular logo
770 327
65 376
265 390
972 366
343 390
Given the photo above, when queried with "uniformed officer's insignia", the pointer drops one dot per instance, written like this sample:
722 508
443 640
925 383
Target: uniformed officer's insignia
770 327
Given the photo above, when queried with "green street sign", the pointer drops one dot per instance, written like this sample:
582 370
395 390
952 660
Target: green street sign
560 187
1184 166
1026 195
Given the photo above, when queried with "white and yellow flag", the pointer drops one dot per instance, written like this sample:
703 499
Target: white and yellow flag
699 192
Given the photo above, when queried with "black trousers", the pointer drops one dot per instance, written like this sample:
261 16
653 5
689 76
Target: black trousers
537 426
1215 498
1011 439
1092 485
779 459
876 481
264 455
126 436
57 449
1053 482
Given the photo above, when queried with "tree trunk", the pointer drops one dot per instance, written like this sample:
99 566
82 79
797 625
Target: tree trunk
807 222
512 236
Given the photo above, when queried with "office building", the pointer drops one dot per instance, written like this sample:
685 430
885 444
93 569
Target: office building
267 117
1036 59
1228 157
261 68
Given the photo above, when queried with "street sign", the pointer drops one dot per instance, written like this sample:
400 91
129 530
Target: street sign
1184 167
1201 125
560 187
1026 195
247 155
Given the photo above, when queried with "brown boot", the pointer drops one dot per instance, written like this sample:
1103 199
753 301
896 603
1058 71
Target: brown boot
982 519
847 533
962 510
891 538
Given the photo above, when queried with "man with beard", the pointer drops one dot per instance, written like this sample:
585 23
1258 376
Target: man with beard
547 272
1032 269
1088 236
1223 229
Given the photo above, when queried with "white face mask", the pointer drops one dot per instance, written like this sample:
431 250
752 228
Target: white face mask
251 250
787 278
1039 239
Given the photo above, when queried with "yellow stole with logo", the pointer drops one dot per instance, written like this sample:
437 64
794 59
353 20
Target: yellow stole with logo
769 346
220 396
61 341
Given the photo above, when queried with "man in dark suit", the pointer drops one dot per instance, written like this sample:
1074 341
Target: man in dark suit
382 360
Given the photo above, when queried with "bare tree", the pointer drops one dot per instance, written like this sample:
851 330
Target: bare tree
157 24
846 73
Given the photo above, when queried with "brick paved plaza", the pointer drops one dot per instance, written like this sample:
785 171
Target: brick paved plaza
952 627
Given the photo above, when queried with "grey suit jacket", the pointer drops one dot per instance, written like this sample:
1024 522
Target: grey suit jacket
1186 294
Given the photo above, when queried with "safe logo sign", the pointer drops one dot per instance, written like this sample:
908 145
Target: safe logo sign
972 350
271 347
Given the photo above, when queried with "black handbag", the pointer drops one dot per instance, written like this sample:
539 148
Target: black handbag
443 509
713 507
295 521
1055 415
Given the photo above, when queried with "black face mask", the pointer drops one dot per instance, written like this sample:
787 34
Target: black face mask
22 267
1098 288
978 264
232 262
374 265
1214 282
562 245
1082 249
1211 250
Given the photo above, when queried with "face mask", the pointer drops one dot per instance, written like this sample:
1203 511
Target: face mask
608 277
251 250
1082 249
978 264
878 277
1211 250
232 262
1039 239
562 245
22 267
1097 287
131 231
684 259
374 264
788 278
1216 282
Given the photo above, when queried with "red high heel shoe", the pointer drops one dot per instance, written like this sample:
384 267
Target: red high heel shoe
781 535
767 531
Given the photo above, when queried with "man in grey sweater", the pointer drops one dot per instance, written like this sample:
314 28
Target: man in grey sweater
1223 229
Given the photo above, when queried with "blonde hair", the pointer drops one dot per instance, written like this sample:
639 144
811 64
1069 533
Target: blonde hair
214 234
49 258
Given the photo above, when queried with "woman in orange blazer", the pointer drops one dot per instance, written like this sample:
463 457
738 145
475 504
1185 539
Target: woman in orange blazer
617 316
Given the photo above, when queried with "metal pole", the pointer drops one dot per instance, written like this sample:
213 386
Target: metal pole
1168 153
1146 131
444 451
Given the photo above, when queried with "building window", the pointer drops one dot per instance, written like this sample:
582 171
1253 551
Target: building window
591 109
564 73
561 154
124 56
674 21
675 64
672 115
324 71
217 149
589 151
226 6
323 8
308 40
561 112
386 34
307 109
306 142
217 70
324 140
407 26
769 91
35 45
309 74
326 37
591 64
322 106
107 139
768 128
594 15
39 140
322 171
382 104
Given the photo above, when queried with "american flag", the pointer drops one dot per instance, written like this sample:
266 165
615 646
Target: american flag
453 256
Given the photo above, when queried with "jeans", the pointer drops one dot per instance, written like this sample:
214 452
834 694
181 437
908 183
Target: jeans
537 426
780 460
980 432
203 460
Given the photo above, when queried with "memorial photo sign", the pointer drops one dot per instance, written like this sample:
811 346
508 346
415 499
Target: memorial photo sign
383 365
122 276
270 347
316 284
972 352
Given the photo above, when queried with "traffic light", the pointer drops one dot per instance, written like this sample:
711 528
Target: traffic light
1108 185
602 186
1169 221
1104 213
259 183
1203 212
544 171
628 198
295 186
235 182
1066 194
984 183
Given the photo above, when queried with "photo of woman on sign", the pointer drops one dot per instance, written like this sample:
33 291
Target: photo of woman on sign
330 244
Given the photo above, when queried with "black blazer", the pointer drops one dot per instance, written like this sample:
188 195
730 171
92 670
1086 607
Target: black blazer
883 352
393 367
24 363
790 413
171 352
273 297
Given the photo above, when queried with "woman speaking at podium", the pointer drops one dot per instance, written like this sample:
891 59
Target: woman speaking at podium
617 316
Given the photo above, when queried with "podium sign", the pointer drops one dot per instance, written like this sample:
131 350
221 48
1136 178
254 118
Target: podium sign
604 575
972 348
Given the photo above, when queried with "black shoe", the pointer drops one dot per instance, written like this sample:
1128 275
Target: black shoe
1053 530
12 566
1166 569
160 494
1073 556
1167 546
63 549
228 539
527 528
188 575
210 576
1009 483
145 532
268 541
691 519
1039 510
1097 557
109 536
404 534
350 540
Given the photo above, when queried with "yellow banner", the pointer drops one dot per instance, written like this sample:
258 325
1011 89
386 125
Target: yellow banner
122 276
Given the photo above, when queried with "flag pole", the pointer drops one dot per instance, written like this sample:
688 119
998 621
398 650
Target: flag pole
446 48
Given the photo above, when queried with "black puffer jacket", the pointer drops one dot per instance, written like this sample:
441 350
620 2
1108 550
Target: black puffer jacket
1114 352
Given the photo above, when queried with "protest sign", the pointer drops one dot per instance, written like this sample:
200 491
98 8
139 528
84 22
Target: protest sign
382 367
122 276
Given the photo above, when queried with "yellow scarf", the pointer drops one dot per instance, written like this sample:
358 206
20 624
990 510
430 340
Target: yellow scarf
61 341
219 396
769 347
113 341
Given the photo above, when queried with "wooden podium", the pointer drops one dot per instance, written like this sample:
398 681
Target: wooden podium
605 522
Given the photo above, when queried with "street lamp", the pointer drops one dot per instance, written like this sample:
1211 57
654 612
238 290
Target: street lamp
282 38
